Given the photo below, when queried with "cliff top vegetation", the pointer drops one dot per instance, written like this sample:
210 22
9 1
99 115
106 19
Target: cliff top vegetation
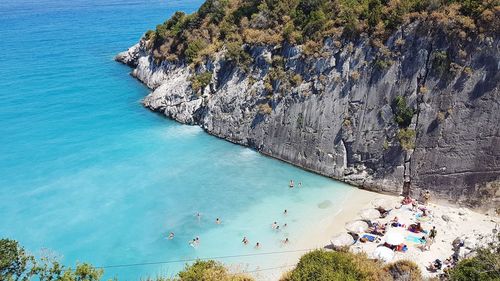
233 23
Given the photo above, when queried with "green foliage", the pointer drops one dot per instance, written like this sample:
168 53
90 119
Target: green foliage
406 138
193 49
16 264
149 35
320 265
209 271
441 62
382 64
236 53
485 266
233 23
200 81
404 270
402 113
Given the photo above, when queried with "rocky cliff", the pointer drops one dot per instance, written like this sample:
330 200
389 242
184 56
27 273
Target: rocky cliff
333 112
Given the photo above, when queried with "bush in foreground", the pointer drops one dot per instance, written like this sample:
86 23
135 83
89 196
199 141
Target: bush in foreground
209 271
404 270
320 265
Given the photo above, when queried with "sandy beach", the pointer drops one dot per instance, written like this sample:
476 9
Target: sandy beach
450 222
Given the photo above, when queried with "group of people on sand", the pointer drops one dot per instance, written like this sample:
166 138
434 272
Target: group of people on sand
378 229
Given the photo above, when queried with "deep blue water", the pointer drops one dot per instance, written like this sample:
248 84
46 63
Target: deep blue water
88 173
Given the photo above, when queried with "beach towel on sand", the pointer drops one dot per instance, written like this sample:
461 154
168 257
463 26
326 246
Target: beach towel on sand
414 239
368 237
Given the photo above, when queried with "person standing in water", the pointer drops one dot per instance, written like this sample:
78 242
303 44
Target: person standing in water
198 216
291 184
285 212
218 221
273 226
171 236
245 240
300 183
257 245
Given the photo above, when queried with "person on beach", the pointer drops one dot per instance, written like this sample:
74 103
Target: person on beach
407 200
433 233
274 225
427 197
414 206
218 221
171 236
291 184
415 228
257 245
244 241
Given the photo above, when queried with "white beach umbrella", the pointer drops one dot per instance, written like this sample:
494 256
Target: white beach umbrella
383 203
394 237
369 214
356 226
383 253
342 239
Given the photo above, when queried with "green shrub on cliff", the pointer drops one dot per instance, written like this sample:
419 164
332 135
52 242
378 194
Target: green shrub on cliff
200 81
233 23
402 112
406 138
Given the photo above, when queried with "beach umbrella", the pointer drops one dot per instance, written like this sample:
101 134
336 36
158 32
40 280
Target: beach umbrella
342 239
394 237
383 203
356 226
369 214
383 253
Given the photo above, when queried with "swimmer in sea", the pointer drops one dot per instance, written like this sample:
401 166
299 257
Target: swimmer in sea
291 184
244 241
274 225
285 225
171 236
192 243
217 221
257 245
286 241
198 216
277 228
300 184
285 212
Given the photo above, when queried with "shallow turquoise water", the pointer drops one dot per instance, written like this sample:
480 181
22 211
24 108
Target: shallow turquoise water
88 173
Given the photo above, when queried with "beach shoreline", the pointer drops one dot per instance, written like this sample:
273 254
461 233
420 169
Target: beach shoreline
477 226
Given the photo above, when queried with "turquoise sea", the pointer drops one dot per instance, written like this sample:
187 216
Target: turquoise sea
88 174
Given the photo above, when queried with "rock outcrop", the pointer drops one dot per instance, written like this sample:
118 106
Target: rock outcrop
332 112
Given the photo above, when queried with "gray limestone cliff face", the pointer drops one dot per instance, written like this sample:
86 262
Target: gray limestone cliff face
337 119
